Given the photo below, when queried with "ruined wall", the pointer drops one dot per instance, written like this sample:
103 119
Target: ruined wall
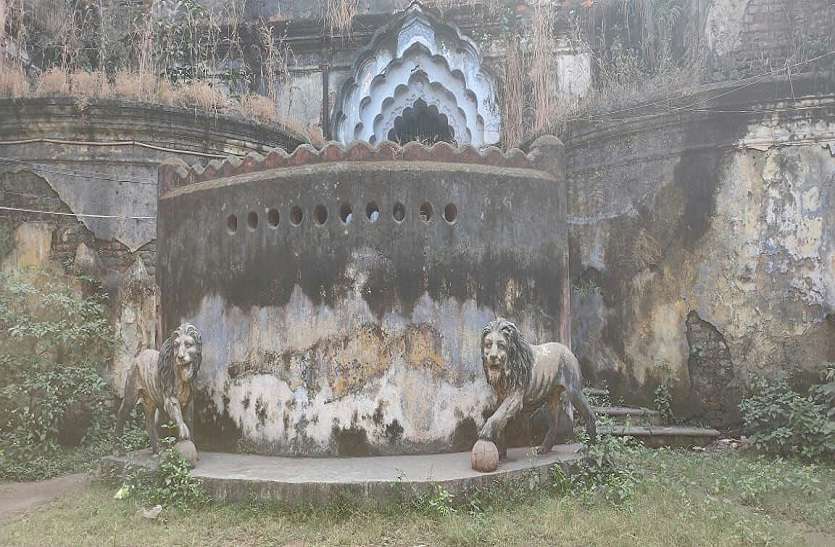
66 158
341 293
754 35
702 244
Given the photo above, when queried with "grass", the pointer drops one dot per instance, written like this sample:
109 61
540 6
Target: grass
684 498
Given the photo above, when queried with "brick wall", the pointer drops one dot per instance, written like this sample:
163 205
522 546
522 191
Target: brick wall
774 31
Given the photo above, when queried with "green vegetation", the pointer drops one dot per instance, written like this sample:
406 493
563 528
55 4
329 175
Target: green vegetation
170 485
680 498
663 402
784 422
55 337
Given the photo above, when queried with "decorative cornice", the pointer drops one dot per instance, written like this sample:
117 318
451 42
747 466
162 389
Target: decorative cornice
175 173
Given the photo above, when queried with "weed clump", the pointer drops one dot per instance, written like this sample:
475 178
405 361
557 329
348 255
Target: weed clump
783 422
55 412
606 473
171 484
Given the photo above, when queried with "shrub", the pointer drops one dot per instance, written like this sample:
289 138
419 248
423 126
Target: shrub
663 402
825 392
783 422
53 340
605 473
170 485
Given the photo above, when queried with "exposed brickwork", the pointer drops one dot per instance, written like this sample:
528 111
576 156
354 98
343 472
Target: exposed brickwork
774 31
25 190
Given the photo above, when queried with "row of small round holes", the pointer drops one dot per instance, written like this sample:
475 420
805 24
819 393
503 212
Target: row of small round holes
320 215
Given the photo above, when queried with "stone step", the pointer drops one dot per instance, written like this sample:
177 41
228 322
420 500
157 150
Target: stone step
664 435
622 415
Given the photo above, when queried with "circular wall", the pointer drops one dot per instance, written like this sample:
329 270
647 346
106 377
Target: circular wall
341 301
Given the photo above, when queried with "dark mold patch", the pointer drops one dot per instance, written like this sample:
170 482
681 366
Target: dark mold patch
378 418
489 244
214 430
352 441
394 432
261 411
698 173
464 436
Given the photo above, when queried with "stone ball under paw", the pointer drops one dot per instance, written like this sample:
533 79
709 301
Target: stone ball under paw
188 451
484 457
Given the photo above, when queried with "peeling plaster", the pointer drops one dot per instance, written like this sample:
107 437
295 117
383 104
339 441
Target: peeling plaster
86 190
427 402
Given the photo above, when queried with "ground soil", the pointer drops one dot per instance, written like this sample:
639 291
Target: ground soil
19 498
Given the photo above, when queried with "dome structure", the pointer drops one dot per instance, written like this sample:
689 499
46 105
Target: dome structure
418 63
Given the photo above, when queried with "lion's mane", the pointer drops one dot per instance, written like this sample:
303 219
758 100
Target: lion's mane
520 358
168 357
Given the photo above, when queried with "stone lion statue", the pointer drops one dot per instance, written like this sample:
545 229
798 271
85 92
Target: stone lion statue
526 377
163 380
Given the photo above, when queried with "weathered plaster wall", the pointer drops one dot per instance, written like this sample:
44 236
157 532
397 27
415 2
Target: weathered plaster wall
702 246
360 337
103 160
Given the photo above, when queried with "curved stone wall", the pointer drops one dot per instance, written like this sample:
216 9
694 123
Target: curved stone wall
341 293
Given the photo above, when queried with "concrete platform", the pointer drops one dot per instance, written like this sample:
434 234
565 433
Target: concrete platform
301 481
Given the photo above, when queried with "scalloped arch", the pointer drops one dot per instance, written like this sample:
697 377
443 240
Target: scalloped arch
435 62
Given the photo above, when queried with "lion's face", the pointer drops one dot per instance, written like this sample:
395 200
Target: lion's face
187 352
494 348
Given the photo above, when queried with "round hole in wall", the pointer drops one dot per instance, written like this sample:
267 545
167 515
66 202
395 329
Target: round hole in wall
399 212
346 213
426 212
296 215
372 212
232 224
320 214
252 220
450 213
272 217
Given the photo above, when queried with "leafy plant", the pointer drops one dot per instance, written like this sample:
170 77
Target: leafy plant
439 502
170 485
54 339
825 392
784 422
605 473
663 402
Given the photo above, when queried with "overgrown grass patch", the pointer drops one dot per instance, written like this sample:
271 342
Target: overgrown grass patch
681 498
